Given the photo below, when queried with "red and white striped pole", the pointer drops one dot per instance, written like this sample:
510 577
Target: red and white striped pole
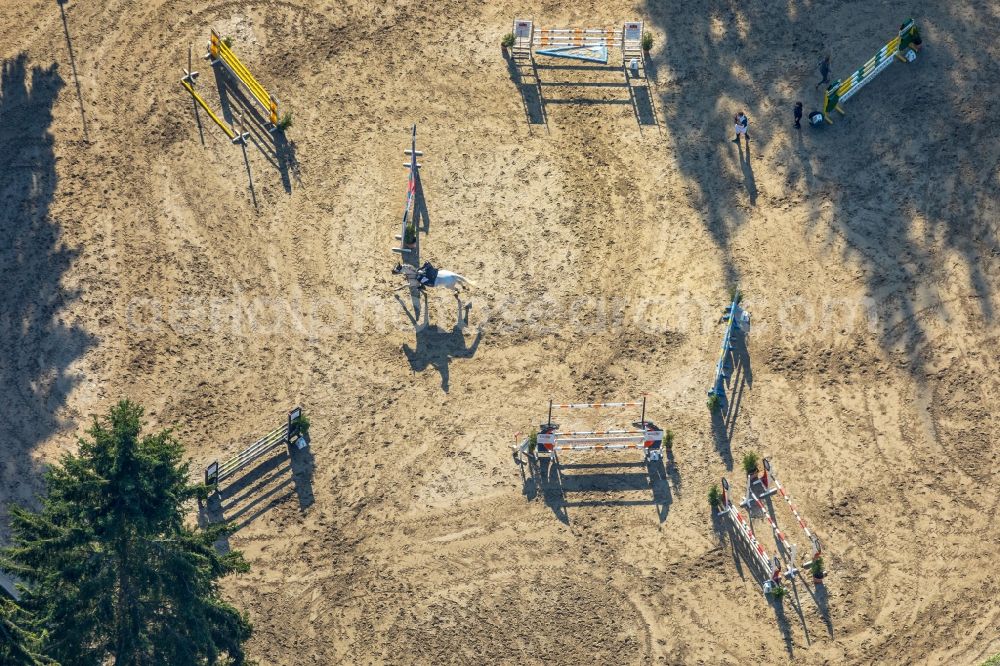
817 550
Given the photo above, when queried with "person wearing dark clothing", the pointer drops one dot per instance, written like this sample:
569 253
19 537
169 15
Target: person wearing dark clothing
798 115
824 69
740 123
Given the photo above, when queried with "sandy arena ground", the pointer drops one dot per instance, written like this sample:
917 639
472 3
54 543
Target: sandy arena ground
603 237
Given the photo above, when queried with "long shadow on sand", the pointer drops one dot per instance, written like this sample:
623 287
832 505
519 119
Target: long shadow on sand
563 486
742 556
524 74
740 378
436 347
272 482
38 344
240 112
904 180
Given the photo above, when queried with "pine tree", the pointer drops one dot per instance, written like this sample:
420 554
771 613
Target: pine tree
19 641
112 570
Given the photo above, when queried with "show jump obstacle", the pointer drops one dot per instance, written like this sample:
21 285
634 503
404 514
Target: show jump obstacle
587 44
218 53
736 318
644 435
290 433
770 485
411 191
903 47
770 568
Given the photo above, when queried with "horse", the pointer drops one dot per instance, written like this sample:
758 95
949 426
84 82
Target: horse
429 276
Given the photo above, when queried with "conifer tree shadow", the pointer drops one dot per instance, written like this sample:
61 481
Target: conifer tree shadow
908 150
38 346
784 625
421 216
720 526
303 465
822 598
529 469
288 163
551 488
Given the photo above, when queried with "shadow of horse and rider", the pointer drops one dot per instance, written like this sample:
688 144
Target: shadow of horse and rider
435 346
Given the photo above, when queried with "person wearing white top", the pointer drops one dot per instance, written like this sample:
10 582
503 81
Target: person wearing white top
740 122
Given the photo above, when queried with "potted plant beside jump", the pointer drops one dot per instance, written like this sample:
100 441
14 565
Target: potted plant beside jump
506 44
300 425
647 41
714 497
410 236
816 568
750 465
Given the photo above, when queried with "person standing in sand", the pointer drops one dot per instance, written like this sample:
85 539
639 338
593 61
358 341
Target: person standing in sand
740 122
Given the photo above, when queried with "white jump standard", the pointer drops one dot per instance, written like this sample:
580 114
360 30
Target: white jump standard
645 435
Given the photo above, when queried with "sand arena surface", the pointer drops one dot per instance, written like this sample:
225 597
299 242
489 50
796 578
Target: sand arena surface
603 246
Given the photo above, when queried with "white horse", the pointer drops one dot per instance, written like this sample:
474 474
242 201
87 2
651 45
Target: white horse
428 276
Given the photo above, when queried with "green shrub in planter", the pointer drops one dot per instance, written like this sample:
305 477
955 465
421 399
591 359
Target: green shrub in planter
410 237
750 463
816 567
285 122
301 424
714 403
507 41
533 442
714 496
647 41
779 591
